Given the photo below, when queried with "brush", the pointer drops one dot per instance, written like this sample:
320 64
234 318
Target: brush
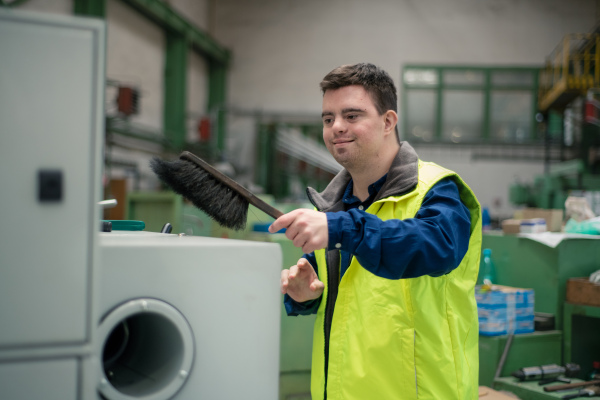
219 196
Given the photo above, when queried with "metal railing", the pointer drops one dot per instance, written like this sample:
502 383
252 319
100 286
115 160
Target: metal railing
573 66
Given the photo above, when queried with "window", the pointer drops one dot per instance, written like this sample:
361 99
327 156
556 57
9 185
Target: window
462 115
421 108
510 116
469 104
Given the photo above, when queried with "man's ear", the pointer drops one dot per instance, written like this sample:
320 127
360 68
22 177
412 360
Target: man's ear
390 119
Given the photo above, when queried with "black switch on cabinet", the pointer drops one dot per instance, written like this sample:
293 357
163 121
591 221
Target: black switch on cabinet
50 185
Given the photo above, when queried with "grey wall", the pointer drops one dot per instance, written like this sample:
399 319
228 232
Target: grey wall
282 48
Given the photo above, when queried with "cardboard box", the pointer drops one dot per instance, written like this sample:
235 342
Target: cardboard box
511 226
582 291
505 309
554 218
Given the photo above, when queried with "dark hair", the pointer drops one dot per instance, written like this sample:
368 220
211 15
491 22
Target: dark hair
376 82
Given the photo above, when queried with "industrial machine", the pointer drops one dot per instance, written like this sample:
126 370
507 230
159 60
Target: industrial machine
109 315
188 317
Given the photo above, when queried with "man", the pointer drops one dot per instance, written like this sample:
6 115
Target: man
392 256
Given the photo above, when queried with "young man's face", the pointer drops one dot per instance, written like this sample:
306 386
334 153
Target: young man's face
353 130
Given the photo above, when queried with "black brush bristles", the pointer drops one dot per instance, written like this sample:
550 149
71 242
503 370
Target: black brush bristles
210 195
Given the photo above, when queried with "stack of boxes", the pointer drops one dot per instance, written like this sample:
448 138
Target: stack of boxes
504 309
534 220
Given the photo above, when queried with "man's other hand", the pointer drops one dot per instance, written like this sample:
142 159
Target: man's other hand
306 228
301 282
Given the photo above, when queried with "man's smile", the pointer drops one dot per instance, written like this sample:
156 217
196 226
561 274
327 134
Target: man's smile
342 142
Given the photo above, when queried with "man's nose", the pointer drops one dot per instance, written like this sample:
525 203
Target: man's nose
339 125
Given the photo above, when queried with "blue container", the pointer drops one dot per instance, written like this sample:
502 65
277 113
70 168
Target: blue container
505 309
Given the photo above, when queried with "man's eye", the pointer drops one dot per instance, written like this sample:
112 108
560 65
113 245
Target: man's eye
327 121
352 117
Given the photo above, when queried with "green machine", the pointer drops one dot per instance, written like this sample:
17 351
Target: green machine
550 191
573 138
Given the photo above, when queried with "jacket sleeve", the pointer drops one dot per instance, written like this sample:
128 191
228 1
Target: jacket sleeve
292 307
432 243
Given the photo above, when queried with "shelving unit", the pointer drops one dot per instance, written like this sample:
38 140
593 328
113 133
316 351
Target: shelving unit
581 333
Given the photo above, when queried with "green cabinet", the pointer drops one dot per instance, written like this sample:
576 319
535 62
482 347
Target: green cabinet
523 262
155 209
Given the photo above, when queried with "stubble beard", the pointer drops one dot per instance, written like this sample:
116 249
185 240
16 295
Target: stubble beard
351 161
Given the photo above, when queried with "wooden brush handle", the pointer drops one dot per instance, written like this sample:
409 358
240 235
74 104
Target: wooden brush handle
233 185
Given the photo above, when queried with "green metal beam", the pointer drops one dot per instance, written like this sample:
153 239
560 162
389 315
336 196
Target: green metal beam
174 116
162 14
90 8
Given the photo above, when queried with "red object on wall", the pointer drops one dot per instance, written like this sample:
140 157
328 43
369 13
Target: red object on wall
204 129
128 100
592 108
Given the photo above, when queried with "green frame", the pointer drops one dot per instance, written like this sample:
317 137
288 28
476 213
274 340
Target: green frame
487 87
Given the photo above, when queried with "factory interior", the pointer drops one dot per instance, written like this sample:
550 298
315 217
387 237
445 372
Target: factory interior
107 275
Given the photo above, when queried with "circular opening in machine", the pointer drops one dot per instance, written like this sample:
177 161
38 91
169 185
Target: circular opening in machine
144 352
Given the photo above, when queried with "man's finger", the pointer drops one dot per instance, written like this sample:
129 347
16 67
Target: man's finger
317 285
282 222
278 224
293 272
284 275
291 231
299 241
284 278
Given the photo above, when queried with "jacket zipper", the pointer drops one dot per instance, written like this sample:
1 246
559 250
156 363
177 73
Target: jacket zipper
332 285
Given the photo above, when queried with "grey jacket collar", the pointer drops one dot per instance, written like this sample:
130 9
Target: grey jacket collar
402 178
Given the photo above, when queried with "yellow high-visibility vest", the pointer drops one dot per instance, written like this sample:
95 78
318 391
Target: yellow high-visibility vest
411 338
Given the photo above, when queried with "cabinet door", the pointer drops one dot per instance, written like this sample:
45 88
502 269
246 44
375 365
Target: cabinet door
51 96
